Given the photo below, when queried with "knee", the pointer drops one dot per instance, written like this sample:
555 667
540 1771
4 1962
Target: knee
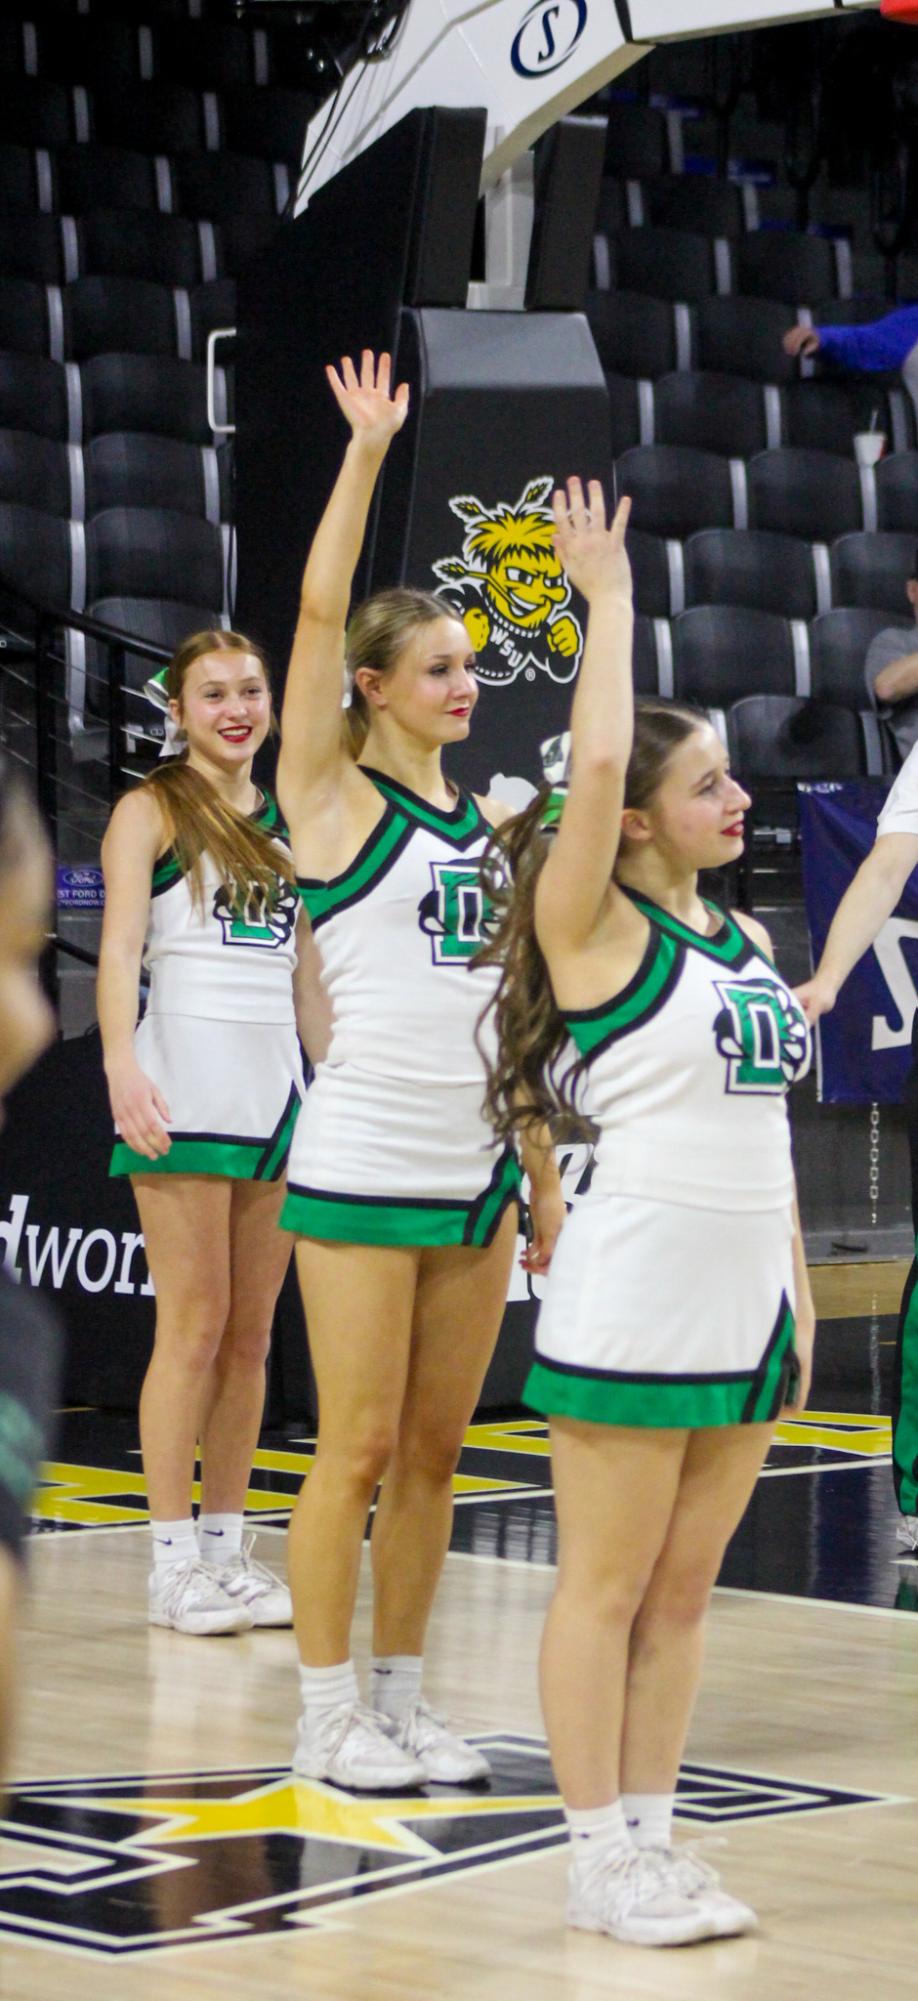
431 1455
612 1597
675 1603
191 1339
246 1343
362 1458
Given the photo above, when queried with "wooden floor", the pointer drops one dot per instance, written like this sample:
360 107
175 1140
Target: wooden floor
803 1701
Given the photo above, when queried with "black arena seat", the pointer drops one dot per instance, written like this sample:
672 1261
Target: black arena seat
211 306
815 494
873 569
268 124
839 640
140 392
897 491
644 659
217 185
779 737
39 113
214 55
721 652
36 472
755 567
650 571
165 248
743 337
634 335
676 489
153 118
24 325
693 202
624 412
92 177
18 182
119 315
637 142
31 246
134 469
104 54
666 263
36 552
825 415
721 413
33 395
154 552
780 264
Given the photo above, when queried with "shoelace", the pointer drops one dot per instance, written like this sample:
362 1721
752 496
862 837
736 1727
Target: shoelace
368 1721
193 1571
421 1725
244 1568
687 1869
640 1880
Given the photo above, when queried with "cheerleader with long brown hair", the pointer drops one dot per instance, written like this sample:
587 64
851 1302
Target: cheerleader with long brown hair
205 1093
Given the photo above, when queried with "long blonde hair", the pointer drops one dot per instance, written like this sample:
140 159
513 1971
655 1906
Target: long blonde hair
200 821
377 634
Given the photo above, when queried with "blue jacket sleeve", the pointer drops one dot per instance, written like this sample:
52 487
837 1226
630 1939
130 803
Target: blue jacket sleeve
882 345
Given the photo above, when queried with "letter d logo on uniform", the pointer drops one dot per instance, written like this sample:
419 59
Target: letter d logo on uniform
547 35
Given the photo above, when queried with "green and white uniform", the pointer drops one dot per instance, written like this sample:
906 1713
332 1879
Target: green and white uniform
670 1299
393 1146
219 1035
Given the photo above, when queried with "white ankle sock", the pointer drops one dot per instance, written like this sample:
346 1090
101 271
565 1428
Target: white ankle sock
598 1834
650 1818
395 1682
219 1537
173 1542
328 1687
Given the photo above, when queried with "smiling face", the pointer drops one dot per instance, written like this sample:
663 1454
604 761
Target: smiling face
26 1017
696 815
431 690
526 586
224 709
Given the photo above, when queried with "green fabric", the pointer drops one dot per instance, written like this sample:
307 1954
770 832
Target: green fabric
277 1158
322 898
359 1222
732 944
505 1187
442 823
235 1160
626 1013
661 1405
905 1399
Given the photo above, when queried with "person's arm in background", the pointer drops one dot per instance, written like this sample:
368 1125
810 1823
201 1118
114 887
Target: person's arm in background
892 677
867 903
879 346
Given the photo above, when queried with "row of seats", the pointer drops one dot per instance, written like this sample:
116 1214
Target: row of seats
783 738
116 55
714 654
267 124
729 413
154 394
106 315
684 264
639 335
769 571
713 207
144 552
818 495
75 179
116 469
170 249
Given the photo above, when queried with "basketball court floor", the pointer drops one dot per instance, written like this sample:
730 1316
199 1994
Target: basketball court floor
155 1843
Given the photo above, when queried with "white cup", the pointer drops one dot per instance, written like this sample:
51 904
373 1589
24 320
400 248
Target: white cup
869 446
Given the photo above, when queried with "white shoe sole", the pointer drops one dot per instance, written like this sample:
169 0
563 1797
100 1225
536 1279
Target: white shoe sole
472 1772
208 1626
372 1780
646 1932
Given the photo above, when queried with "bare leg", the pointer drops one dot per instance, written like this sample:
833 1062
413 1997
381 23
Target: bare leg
719 1472
359 1300
186 1223
234 1401
10 1595
460 1301
615 1489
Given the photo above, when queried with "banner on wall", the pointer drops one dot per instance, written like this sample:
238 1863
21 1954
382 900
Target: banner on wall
864 1044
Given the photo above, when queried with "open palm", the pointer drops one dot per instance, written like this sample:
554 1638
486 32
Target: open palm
593 554
373 413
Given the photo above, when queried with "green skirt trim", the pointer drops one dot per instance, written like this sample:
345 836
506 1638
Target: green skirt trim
668 1402
224 1155
402 1220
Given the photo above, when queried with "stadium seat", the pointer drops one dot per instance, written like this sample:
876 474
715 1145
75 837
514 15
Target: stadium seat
87 177
211 306
268 124
36 472
666 263
24 326
213 55
644 660
31 246
243 237
814 494
721 652
755 567
676 489
39 113
154 552
612 210
12 51
637 142
825 415
873 569
18 182
778 264
164 248
217 185
634 335
897 492
33 396
839 640
36 554
164 622
721 413
133 469
625 428
104 54
778 737
119 315
650 569
140 392
154 118
743 337
693 202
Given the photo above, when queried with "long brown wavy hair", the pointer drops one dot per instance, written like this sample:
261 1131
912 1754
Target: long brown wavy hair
192 809
534 1079
378 632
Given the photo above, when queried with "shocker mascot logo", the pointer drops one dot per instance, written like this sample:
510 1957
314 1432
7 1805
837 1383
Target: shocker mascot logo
510 590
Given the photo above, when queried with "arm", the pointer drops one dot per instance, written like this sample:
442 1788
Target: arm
129 850
547 1207
311 746
573 888
899 680
310 1000
867 903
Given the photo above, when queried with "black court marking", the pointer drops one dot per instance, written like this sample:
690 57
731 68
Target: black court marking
123 1867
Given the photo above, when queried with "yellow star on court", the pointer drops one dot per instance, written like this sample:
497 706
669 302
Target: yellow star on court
311 1810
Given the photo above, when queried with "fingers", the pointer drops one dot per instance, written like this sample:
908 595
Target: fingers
161 1106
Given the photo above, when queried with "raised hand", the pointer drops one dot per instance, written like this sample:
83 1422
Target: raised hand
372 412
593 554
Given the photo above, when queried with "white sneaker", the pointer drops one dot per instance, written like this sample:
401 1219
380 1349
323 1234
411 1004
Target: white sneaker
447 1760
352 1746
907 1531
693 1877
190 1598
252 1584
632 1900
